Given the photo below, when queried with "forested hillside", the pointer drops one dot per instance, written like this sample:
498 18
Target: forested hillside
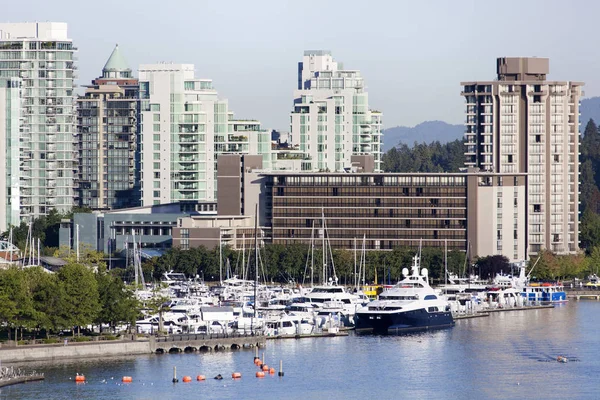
422 157
437 157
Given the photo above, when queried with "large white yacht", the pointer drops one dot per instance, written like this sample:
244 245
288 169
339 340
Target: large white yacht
410 305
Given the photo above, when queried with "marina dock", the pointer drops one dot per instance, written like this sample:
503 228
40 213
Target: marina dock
584 294
486 312
309 335
524 308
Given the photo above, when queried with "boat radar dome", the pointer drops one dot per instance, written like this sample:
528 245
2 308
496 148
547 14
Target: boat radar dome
405 271
424 272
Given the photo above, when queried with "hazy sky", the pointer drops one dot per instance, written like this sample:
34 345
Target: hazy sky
412 54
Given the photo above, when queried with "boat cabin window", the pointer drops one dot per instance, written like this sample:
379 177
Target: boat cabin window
432 309
327 290
430 297
399 298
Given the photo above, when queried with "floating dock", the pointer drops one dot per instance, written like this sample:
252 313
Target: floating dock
478 314
584 295
524 308
309 335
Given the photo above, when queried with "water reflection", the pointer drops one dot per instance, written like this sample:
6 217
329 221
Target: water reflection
506 355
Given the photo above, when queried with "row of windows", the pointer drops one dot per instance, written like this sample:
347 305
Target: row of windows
330 202
369 180
387 223
280 191
457 244
372 234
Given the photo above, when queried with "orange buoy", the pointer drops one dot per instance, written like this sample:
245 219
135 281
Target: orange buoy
265 368
236 375
80 378
126 379
272 371
260 374
187 378
201 378
257 361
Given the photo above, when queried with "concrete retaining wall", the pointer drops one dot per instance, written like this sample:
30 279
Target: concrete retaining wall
74 350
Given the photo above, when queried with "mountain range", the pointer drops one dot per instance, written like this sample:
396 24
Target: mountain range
431 131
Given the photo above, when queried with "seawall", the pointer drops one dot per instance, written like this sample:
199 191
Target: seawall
73 350
174 343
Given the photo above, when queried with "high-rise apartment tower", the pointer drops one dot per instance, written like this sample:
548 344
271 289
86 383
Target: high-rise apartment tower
331 120
524 123
107 126
184 128
38 58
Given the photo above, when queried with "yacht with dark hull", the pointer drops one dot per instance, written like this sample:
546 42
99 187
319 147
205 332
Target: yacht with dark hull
410 305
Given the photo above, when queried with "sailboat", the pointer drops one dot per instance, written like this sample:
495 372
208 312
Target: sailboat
331 299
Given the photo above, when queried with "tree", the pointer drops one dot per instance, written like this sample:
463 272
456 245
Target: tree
118 303
158 304
81 293
48 299
590 230
492 265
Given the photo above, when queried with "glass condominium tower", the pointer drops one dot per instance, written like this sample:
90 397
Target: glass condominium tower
107 126
331 120
184 127
41 56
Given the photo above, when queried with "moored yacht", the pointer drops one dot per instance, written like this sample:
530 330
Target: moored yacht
410 305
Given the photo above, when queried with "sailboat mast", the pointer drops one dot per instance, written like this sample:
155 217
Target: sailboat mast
324 249
312 254
220 259
255 257
355 277
137 278
243 256
446 264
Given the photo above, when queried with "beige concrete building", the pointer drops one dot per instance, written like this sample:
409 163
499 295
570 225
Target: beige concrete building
496 220
240 189
523 123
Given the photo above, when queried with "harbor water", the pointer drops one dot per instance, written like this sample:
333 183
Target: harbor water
509 355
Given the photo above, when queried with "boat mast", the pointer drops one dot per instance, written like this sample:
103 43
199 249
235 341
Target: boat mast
243 256
363 262
446 265
312 255
255 256
220 259
137 278
355 276
324 249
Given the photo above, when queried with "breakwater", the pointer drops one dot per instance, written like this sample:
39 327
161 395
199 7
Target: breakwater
11 376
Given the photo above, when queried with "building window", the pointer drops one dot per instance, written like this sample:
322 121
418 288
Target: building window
156 193
185 233
155 107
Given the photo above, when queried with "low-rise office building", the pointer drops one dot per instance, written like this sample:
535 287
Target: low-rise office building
112 232
482 211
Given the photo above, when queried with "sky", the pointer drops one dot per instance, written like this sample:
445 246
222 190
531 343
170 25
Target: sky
412 54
